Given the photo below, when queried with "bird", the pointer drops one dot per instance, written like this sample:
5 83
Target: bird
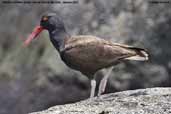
86 53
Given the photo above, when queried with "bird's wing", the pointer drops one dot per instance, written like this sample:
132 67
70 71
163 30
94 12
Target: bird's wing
102 48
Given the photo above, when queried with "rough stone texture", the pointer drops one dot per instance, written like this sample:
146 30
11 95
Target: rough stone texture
142 101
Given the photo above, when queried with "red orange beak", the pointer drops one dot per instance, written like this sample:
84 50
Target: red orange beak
37 30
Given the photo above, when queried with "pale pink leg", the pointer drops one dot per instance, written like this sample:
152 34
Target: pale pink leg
93 88
103 82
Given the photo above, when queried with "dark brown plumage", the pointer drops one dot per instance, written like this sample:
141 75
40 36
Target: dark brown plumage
89 54
85 53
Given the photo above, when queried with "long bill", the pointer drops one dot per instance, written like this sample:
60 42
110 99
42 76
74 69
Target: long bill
37 30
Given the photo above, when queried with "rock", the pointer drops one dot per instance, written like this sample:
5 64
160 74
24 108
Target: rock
141 101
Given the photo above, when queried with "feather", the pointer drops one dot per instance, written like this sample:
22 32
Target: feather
140 54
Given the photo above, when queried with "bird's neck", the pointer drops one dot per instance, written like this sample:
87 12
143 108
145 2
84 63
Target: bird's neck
58 38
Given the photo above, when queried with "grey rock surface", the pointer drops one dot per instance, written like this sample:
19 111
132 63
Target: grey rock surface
142 101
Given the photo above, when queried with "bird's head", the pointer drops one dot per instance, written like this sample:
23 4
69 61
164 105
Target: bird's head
50 22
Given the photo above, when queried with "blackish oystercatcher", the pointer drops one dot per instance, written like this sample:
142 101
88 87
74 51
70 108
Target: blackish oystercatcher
85 53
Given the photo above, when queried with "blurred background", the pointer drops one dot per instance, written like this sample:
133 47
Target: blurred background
34 78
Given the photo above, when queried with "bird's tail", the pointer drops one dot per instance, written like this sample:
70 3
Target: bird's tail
140 54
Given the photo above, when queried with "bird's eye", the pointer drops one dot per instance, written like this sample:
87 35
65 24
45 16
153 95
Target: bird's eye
45 18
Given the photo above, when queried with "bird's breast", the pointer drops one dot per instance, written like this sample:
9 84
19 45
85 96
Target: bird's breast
79 60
